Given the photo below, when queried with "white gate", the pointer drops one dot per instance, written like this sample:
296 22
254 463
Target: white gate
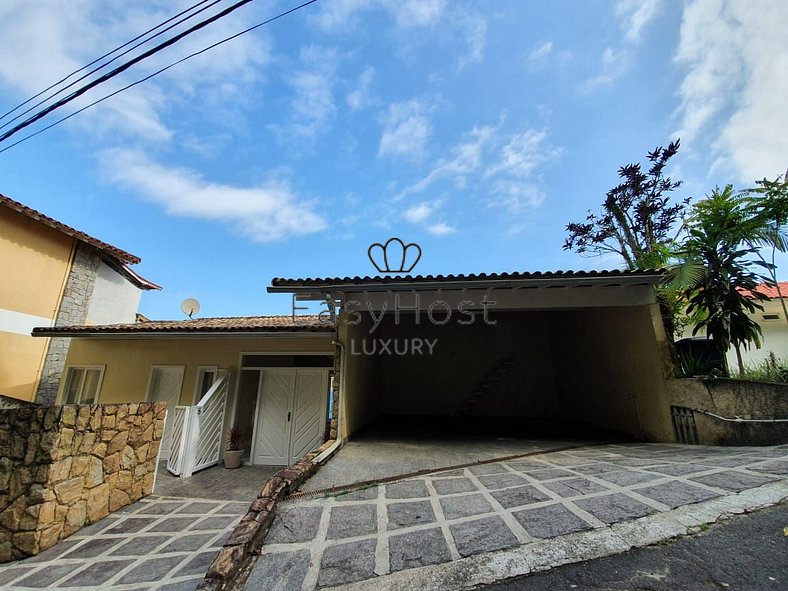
197 431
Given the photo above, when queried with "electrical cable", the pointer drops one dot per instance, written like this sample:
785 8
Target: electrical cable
106 55
164 69
122 68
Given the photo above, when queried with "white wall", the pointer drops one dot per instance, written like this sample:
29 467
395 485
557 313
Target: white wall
115 299
775 336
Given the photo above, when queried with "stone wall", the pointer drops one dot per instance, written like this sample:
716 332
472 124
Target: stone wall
64 467
73 311
730 398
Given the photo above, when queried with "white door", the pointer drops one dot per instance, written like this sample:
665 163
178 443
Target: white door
291 414
165 385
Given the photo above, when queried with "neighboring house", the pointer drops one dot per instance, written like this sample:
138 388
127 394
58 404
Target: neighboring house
268 375
588 347
54 275
773 326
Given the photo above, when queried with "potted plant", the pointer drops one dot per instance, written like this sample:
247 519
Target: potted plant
234 451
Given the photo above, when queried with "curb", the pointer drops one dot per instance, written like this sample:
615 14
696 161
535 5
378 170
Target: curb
232 565
484 569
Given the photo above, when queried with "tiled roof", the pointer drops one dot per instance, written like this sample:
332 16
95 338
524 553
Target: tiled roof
238 324
279 282
770 291
113 251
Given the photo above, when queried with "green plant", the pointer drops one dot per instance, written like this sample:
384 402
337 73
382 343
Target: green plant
234 439
689 365
771 369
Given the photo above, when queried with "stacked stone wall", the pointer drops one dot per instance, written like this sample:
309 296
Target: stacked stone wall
65 467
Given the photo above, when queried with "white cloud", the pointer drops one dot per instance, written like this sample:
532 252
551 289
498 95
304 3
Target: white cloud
415 13
634 15
339 14
441 229
516 196
265 213
735 57
473 28
418 213
360 97
614 64
313 103
541 52
406 130
523 153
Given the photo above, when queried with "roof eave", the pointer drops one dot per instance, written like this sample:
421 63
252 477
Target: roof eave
44 331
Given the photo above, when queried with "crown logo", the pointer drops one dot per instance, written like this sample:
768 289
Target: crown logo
395 256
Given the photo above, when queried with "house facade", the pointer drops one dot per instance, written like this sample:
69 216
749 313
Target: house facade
268 376
54 275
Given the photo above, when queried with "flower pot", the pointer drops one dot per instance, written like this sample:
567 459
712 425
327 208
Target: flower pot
232 459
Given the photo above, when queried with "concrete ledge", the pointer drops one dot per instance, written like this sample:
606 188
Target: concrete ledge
541 555
231 567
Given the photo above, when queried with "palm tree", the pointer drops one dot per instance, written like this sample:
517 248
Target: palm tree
719 252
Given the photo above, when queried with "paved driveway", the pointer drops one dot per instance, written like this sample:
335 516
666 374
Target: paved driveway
158 543
378 533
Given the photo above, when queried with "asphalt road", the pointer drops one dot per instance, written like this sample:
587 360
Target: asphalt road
748 552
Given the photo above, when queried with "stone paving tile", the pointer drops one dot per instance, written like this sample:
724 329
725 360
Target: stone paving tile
138 545
453 485
296 524
172 524
447 473
594 469
97 573
189 543
407 489
574 487
456 507
130 525
733 481
351 521
160 508
365 494
197 508
527 465
92 548
775 467
549 474
519 496
151 570
499 481
213 522
9 574
482 535
674 494
418 548
678 469
627 477
283 571
197 565
410 513
614 508
46 577
188 585
485 469
347 563
550 521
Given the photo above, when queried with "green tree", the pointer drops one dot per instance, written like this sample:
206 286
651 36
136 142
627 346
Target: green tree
720 249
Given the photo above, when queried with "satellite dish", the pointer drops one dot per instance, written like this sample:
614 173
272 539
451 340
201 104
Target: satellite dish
190 306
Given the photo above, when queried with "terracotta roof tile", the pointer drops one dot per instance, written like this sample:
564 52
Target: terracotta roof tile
770 291
238 324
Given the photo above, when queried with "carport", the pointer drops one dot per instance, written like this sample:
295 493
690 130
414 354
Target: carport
522 355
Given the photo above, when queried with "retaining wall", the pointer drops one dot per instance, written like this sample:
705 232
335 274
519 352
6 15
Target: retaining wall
64 467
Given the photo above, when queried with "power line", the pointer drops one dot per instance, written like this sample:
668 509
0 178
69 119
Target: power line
98 59
122 68
156 73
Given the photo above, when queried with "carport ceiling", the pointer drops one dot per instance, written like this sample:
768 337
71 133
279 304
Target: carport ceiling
508 291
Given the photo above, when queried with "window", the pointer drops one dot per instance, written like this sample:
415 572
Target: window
83 384
206 376
771 316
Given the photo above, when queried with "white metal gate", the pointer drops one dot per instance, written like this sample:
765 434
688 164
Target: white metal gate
197 431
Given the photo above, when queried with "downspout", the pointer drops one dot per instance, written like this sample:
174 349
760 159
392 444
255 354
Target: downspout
338 442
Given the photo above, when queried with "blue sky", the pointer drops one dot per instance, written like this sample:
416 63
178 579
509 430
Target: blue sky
476 128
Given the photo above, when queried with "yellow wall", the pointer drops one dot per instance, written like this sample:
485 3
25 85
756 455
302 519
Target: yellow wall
128 362
34 265
38 258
